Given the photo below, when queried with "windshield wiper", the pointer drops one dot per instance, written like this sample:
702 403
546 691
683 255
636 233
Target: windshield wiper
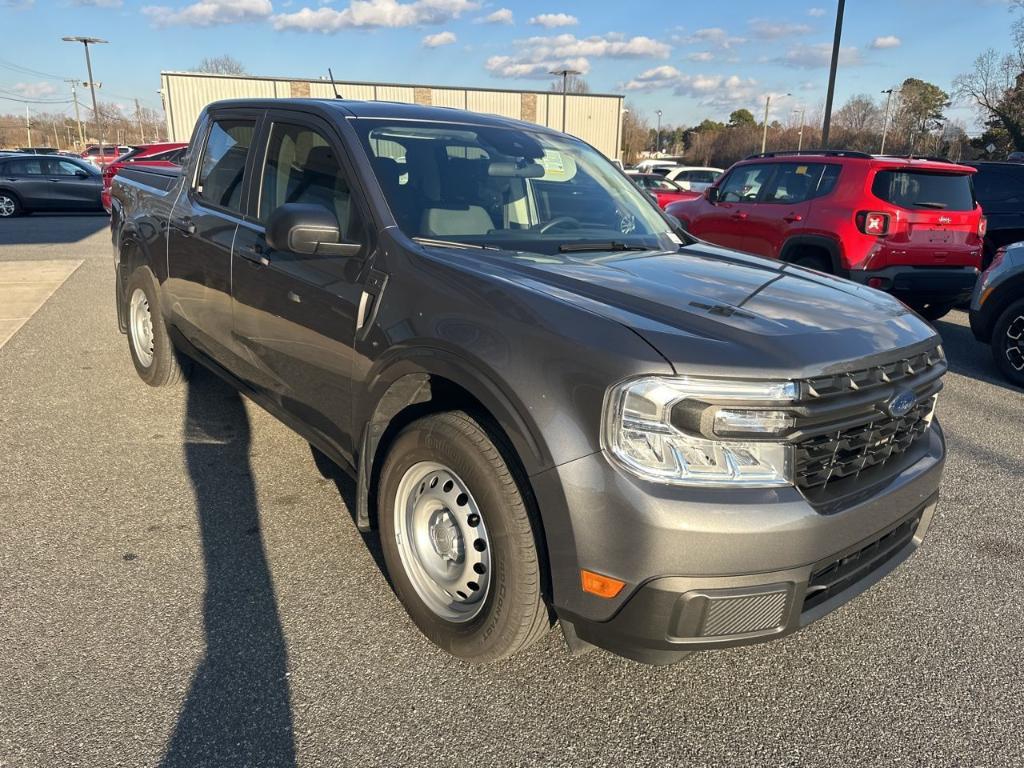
453 244
926 204
609 245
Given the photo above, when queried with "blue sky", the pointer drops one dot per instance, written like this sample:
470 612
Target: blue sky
690 58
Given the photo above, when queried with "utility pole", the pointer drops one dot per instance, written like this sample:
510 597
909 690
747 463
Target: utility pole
657 136
885 120
28 126
85 41
56 136
138 116
800 135
832 74
78 117
565 85
764 133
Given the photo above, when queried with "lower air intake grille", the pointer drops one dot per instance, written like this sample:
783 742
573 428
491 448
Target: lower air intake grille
833 577
745 613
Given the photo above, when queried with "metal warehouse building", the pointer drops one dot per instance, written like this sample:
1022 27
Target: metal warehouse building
595 118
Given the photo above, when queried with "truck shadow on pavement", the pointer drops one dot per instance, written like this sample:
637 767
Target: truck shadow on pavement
237 710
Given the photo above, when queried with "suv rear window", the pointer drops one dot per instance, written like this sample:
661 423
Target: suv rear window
921 190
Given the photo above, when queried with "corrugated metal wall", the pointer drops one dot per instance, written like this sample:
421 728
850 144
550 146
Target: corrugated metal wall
594 118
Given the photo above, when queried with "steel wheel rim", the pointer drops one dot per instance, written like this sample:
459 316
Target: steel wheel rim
1015 343
7 206
442 541
140 325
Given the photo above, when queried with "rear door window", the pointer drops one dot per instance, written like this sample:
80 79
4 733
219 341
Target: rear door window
999 187
923 190
26 167
223 167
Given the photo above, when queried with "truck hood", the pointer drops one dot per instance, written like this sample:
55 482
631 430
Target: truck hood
725 313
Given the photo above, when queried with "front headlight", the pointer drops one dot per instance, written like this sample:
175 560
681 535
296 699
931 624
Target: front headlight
659 428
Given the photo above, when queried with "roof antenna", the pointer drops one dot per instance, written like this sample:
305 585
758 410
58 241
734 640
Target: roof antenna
333 84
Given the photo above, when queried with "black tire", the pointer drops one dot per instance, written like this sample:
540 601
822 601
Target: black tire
812 261
164 368
1007 350
934 311
10 205
513 615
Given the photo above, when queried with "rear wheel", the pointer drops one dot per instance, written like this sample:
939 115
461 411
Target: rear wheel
10 206
1008 343
932 311
153 354
459 541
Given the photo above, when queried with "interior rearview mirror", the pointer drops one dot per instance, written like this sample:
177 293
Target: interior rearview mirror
307 229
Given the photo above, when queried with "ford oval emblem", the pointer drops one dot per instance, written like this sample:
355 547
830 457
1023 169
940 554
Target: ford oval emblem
901 403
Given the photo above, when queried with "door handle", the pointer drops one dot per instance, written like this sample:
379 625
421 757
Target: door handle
255 255
792 218
185 225
739 215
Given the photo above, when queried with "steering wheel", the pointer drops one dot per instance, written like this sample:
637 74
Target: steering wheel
557 222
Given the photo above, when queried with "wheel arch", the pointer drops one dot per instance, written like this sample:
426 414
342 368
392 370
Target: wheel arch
797 245
1001 298
15 195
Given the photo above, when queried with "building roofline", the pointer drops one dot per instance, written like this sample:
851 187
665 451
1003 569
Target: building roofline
326 81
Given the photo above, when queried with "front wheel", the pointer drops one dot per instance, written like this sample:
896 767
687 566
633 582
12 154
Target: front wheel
10 206
459 541
1008 343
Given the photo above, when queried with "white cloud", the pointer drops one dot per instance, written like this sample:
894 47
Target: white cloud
34 90
375 13
700 56
539 55
441 38
816 12
710 90
715 36
209 13
98 3
806 56
886 41
500 16
775 30
554 20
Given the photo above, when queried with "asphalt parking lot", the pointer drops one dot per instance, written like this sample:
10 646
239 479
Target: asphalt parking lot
179 586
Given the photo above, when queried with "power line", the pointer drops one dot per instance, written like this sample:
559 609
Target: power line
28 70
35 101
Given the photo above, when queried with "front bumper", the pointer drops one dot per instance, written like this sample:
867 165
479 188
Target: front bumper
922 284
713 568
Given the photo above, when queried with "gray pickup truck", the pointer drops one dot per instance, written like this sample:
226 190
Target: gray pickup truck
557 405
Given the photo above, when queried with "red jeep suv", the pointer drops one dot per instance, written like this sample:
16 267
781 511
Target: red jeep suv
908 226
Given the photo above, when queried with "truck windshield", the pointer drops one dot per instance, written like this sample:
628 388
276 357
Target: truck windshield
507 188
925 190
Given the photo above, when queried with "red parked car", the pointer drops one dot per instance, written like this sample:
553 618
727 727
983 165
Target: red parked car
661 189
911 227
164 155
110 154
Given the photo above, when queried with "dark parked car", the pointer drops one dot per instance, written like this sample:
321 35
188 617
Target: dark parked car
999 188
555 402
997 311
48 183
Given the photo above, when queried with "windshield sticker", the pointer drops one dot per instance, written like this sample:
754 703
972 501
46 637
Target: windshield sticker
557 166
674 238
801 170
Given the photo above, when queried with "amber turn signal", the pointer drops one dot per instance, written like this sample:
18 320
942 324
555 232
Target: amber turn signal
602 586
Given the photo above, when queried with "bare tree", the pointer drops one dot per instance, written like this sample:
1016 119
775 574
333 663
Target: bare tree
996 86
221 65
859 113
635 131
573 84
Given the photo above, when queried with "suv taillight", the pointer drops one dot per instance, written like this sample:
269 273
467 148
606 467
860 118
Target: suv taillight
873 223
982 226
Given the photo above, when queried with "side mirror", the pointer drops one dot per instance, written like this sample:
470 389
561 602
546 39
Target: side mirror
81 175
711 194
308 229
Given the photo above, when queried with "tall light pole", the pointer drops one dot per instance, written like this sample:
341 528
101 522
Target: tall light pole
657 136
800 135
832 74
565 86
764 133
87 41
885 120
